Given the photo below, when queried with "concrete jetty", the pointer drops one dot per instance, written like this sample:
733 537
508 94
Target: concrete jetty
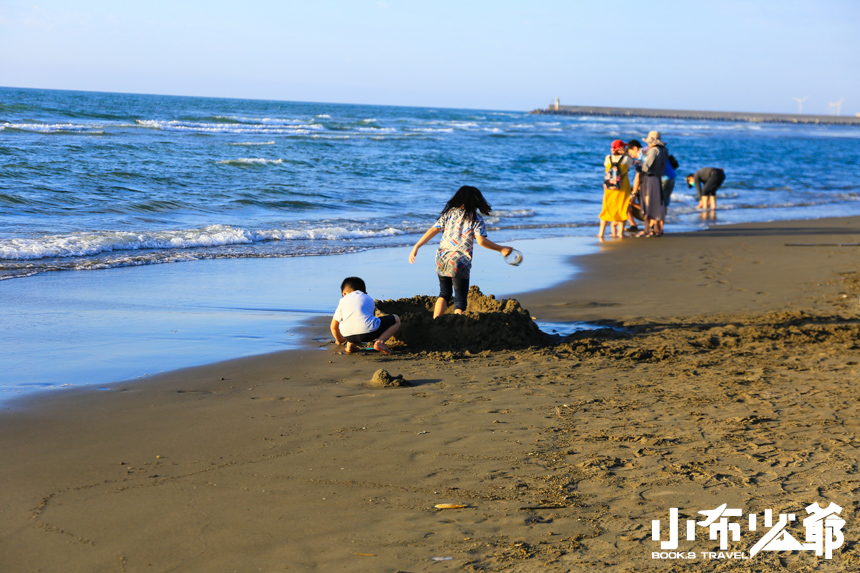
753 117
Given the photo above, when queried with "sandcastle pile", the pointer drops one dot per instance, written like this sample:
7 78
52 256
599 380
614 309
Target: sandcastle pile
488 324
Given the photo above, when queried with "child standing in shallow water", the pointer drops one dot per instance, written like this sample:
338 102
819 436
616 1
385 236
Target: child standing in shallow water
461 226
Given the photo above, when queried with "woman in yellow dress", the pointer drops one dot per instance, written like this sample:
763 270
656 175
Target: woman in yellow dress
616 190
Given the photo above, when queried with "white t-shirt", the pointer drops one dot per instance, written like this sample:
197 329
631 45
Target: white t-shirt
355 314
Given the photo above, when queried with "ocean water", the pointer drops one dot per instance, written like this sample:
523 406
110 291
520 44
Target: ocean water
90 181
66 330
204 229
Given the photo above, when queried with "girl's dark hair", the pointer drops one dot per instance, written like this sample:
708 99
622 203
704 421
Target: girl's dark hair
470 199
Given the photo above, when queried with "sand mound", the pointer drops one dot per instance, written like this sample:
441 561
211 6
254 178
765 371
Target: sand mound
382 379
488 324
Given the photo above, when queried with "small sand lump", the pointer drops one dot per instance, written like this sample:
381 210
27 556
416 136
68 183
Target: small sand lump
383 379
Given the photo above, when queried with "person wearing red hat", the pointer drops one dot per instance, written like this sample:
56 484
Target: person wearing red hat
616 190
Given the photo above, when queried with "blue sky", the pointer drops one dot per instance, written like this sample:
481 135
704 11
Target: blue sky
722 55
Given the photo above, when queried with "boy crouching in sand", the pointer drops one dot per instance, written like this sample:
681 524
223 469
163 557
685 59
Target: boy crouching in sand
354 321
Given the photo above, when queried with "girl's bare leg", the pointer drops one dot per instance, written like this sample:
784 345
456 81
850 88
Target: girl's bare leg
603 228
440 308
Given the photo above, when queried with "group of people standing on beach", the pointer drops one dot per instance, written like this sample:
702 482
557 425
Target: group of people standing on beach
462 226
648 196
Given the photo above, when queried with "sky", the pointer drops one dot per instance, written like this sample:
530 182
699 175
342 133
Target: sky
723 55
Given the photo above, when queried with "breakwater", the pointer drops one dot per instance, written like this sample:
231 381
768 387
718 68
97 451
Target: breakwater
706 115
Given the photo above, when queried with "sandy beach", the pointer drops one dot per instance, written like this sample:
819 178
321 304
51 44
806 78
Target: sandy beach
726 375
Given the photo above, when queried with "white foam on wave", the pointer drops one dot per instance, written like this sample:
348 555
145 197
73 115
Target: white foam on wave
330 233
275 121
433 129
515 213
848 196
684 197
323 116
326 136
252 143
463 124
55 127
266 120
86 244
378 129
251 161
497 215
198 127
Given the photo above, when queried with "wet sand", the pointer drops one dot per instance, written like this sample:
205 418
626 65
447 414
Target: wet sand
729 376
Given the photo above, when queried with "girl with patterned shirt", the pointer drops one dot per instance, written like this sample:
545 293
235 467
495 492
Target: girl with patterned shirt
461 226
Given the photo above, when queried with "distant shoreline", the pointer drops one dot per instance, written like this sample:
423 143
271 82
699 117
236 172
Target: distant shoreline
706 115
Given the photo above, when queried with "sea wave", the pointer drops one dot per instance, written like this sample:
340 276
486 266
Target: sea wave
232 119
683 197
55 127
93 243
281 127
378 129
513 213
251 161
14 270
252 143
329 136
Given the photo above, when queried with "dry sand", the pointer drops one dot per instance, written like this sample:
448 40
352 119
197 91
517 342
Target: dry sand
731 378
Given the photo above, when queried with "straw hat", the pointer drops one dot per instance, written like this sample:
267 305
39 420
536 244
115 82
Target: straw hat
653 138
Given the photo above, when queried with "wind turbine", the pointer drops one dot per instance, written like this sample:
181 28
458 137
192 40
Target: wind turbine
800 101
837 105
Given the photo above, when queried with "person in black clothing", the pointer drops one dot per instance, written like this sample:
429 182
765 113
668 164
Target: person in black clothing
707 180
634 211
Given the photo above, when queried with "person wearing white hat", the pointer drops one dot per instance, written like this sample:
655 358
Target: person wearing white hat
650 188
